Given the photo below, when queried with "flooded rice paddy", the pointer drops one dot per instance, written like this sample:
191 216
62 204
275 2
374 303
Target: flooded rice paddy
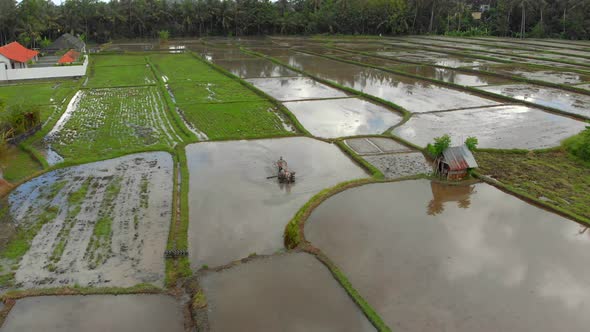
95 313
452 76
433 257
500 127
343 117
236 210
434 58
414 95
292 292
299 88
553 76
252 68
100 224
566 101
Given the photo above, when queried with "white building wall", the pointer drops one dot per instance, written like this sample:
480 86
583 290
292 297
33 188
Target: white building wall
43 72
4 62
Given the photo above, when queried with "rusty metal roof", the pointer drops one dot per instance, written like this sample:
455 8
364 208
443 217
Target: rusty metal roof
459 157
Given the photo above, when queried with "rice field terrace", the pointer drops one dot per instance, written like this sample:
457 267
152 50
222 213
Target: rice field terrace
289 183
113 121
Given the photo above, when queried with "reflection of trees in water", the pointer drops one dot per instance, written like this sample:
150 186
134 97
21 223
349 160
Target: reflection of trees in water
356 77
443 193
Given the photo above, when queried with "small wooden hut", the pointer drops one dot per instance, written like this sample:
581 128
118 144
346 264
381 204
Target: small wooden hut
454 163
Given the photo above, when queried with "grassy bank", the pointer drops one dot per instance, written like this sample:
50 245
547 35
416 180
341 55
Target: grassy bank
554 178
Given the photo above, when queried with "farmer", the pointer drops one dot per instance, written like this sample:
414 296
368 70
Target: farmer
281 164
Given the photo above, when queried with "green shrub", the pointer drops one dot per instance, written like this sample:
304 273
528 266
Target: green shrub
164 35
471 143
440 145
579 145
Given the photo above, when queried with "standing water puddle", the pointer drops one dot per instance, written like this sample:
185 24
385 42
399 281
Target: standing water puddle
298 88
343 117
235 210
431 257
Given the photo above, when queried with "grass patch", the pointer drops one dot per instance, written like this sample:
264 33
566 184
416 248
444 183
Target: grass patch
184 67
199 300
219 91
30 94
118 76
7 280
235 120
47 96
21 241
215 103
553 178
99 246
178 236
117 60
137 289
111 122
17 164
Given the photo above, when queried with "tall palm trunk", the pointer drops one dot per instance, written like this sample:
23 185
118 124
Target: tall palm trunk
430 26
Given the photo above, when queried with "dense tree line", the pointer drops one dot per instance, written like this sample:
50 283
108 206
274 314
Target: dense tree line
33 22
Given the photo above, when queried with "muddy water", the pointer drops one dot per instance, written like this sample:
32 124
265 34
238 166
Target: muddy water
132 194
397 165
293 292
343 117
414 95
562 77
584 86
453 76
235 210
430 257
255 68
503 127
566 101
298 88
96 313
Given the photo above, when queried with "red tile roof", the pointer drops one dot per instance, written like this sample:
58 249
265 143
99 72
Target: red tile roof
69 57
17 52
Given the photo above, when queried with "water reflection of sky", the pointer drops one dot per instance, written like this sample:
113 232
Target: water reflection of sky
413 95
495 264
343 117
559 99
511 126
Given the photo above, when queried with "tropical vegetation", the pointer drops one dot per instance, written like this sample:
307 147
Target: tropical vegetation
36 22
